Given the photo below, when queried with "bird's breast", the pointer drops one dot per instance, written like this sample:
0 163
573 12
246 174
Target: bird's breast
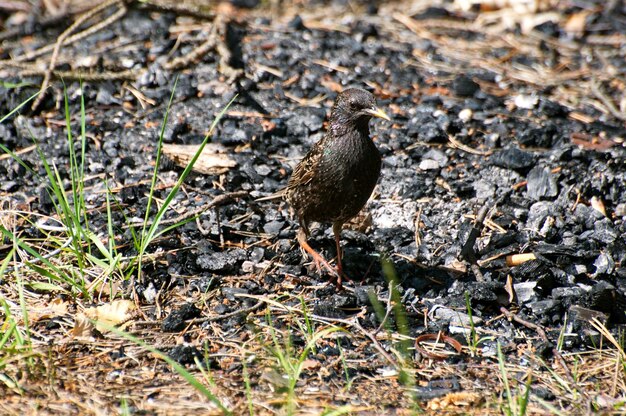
344 180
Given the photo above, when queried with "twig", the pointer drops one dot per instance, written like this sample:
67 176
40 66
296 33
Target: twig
48 48
388 311
418 219
66 34
198 9
217 201
467 252
597 91
196 54
84 76
457 144
227 315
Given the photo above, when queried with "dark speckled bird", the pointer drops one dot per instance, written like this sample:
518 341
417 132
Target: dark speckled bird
336 178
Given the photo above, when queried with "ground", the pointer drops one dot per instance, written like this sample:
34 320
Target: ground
487 269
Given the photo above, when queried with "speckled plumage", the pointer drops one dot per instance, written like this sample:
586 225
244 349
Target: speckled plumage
335 179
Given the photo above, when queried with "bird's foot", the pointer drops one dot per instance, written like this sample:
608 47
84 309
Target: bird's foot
336 273
337 276
321 264
338 279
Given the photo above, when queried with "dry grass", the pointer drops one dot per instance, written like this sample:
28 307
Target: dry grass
63 373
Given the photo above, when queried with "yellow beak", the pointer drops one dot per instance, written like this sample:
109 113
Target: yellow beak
377 112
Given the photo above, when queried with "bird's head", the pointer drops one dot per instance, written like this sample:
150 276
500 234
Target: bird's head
357 106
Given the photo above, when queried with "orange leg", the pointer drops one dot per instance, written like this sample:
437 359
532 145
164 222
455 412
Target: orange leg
337 231
317 257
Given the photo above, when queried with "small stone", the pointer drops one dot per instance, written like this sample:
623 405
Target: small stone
174 129
453 317
464 86
541 184
577 269
231 293
466 115
525 291
297 23
204 284
263 169
363 294
579 313
257 254
567 292
513 158
245 4
542 307
247 266
149 294
185 354
604 231
221 261
175 321
433 159
105 96
526 102
429 164
604 264
273 227
343 300
484 189
328 310
9 186
220 309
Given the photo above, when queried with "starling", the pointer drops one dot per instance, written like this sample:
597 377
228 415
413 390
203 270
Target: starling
335 179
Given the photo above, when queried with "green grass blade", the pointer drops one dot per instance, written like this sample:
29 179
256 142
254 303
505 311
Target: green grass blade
16 109
148 237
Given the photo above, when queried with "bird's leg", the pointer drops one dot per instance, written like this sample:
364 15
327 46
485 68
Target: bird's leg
317 257
337 232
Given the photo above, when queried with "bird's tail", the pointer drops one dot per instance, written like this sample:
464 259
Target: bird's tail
276 195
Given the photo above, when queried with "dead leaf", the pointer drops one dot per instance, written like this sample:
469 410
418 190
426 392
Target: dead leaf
598 205
510 289
82 327
577 23
212 161
310 364
109 314
55 308
460 399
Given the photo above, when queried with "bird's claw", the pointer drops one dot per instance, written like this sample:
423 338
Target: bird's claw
337 276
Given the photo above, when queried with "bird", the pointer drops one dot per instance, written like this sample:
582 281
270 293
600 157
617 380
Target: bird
334 180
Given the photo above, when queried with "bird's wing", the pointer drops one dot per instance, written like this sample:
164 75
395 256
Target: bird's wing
306 170
302 174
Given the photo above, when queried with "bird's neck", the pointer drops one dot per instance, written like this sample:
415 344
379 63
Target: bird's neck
342 127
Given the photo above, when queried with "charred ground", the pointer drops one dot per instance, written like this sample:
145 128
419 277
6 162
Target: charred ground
512 117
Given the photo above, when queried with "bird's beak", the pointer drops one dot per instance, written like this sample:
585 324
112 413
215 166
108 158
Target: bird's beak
377 112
